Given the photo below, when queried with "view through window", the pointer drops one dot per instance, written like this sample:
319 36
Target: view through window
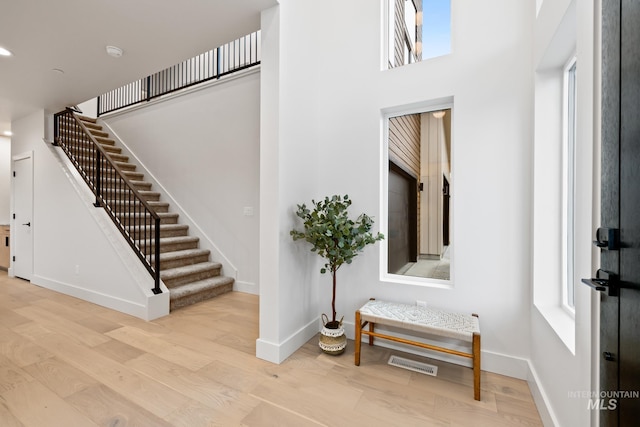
419 195
418 30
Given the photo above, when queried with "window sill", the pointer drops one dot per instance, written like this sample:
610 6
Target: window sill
562 323
416 280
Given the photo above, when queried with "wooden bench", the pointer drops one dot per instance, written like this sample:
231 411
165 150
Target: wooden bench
421 319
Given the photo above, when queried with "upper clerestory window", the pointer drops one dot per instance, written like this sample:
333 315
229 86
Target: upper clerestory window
417 30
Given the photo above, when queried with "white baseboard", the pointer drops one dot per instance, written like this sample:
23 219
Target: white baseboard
277 353
246 287
541 400
157 305
490 361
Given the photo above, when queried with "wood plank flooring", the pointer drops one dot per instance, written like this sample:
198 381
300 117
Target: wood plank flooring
67 362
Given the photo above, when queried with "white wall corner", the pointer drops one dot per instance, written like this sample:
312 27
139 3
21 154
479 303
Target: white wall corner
279 352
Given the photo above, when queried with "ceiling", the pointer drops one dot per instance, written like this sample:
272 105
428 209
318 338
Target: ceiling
71 35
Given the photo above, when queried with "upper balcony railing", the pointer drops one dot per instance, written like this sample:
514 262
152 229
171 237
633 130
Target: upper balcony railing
214 64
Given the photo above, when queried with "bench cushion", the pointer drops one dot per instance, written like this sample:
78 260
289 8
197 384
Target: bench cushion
421 319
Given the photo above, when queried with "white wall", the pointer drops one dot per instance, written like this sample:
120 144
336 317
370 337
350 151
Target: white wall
290 147
5 179
203 149
77 250
333 95
561 348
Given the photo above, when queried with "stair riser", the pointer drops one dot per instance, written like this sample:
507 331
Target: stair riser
105 141
201 296
171 247
92 126
137 233
122 166
82 151
66 121
153 197
174 263
137 176
98 133
138 185
131 175
127 207
163 220
74 145
201 275
71 134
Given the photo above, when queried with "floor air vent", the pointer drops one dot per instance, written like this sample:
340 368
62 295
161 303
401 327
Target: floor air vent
412 365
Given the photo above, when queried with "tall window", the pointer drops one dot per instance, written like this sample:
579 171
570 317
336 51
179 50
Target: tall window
568 183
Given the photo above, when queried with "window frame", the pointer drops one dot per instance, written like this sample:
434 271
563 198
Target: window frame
385 114
569 131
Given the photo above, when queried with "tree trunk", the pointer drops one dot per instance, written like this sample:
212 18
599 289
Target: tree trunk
333 300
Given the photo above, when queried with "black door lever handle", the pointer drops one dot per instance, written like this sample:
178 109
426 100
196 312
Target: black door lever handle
608 284
28 224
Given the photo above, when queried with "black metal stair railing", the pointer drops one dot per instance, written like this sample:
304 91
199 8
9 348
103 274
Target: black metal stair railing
133 216
227 59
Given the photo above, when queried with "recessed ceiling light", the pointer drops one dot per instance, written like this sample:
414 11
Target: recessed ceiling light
5 52
114 51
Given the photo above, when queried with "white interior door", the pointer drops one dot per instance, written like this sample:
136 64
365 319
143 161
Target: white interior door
22 228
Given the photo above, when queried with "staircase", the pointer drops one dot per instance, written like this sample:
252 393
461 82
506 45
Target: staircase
184 268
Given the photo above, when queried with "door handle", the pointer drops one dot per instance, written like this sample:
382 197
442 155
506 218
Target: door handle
28 224
607 238
604 281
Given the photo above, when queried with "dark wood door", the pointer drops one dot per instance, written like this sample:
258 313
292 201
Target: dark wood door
402 232
620 217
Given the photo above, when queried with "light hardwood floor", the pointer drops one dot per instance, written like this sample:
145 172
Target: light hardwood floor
66 362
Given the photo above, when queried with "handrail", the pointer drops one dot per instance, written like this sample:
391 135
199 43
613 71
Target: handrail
122 201
230 58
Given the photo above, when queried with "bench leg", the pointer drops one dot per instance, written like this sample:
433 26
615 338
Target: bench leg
476 366
371 330
358 338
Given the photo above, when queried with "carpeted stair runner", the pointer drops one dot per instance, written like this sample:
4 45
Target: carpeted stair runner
184 268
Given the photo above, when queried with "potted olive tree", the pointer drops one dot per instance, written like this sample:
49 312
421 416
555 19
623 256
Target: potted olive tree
338 239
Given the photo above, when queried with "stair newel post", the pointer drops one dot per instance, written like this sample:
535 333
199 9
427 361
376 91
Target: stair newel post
156 289
98 179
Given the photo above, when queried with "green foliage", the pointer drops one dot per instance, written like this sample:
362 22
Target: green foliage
332 234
